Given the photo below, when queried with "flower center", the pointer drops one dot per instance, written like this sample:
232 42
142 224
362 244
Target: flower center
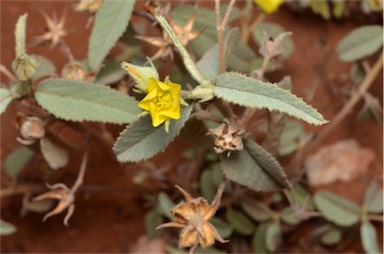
164 101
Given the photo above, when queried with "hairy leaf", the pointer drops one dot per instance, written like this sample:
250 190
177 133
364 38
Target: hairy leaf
360 42
20 34
81 101
5 99
45 68
165 205
272 235
111 20
369 238
255 168
256 210
6 228
141 141
338 210
55 156
16 160
258 240
109 74
240 222
239 89
373 198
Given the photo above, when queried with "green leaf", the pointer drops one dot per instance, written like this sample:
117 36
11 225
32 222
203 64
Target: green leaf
208 189
20 35
256 210
255 168
369 238
6 228
240 222
289 216
45 68
165 205
111 20
373 198
205 19
331 236
241 58
224 229
81 101
5 99
293 138
302 197
239 89
16 160
110 73
360 42
141 141
258 240
336 209
273 30
152 220
272 236
55 156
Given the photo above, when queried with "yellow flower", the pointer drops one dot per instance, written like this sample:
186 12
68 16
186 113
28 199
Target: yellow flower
193 216
162 101
269 6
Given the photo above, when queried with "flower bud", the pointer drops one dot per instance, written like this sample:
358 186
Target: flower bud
25 67
31 129
74 71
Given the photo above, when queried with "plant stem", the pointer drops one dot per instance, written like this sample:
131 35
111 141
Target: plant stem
84 162
375 217
367 82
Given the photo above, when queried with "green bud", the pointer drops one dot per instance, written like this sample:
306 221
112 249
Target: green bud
202 93
25 67
141 74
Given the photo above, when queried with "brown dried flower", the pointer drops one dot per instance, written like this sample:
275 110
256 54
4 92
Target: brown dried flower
55 30
31 129
228 137
74 71
66 198
157 7
193 216
88 5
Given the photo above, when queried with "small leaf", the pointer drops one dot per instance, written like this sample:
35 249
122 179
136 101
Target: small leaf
225 230
5 99
255 168
20 34
338 210
45 68
81 101
258 240
272 235
289 216
152 220
141 141
208 189
239 89
111 20
55 156
6 228
360 42
369 238
373 198
331 237
302 197
293 138
165 205
17 160
240 222
256 210
110 73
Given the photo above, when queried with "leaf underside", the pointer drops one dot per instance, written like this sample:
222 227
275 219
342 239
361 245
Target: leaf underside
141 141
81 101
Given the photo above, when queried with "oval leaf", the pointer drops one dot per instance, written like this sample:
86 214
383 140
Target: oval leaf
258 241
17 160
369 238
20 34
239 89
55 156
331 237
165 205
338 210
272 235
224 229
360 42
6 228
256 210
5 99
111 20
373 198
240 222
81 101
141 141
255 168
